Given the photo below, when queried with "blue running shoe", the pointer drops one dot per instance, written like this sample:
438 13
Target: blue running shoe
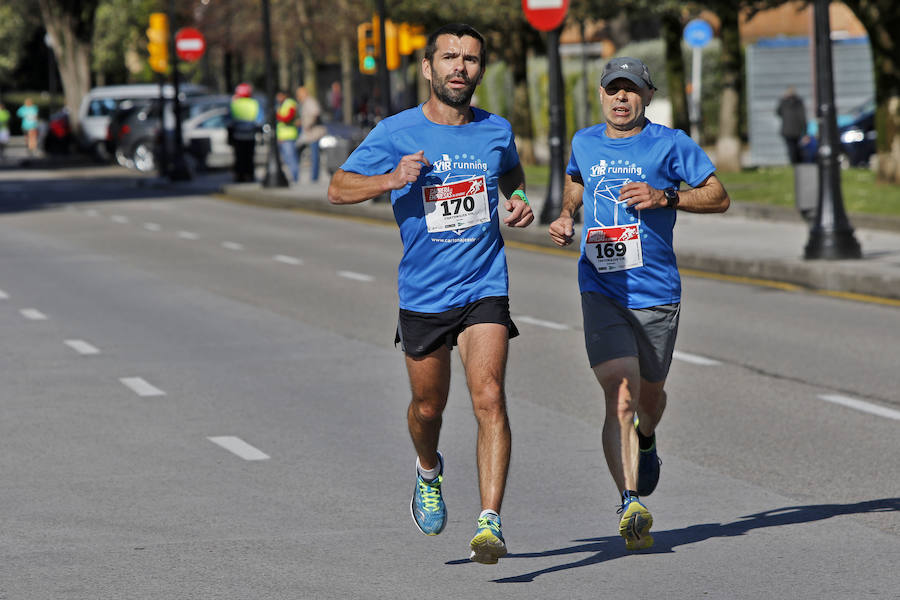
648 470
488 545
635 524
427 506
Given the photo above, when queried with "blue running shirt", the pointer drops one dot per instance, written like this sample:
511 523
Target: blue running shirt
452 249
629 255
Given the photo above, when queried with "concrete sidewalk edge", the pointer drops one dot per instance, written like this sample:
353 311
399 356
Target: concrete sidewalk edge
834 276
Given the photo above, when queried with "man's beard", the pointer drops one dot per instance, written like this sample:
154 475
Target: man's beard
452 97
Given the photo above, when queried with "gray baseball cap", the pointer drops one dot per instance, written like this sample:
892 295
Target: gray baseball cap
628 68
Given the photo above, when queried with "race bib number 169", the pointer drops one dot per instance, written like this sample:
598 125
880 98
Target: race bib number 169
614 248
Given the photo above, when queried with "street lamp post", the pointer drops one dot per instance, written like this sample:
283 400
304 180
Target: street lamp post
553 201
831 235
178 170
274 175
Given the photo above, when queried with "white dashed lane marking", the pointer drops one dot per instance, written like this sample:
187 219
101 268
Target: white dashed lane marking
140 387
288 260
863 406
82 347
4 295
188 235
695 359
33 314
232 245
356 276
120 219
541 323
152 226
239 447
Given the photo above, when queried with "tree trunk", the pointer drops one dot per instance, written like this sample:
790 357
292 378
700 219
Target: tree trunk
728 144
72 30
306 41
675 71
881 19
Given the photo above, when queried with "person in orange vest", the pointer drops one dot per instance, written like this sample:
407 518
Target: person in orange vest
246 118
286 133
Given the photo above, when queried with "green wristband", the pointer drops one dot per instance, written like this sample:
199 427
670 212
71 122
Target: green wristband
521 195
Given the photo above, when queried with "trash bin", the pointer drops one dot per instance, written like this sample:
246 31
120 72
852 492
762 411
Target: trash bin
806 189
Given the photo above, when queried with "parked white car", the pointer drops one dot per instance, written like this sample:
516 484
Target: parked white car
98 105
206 139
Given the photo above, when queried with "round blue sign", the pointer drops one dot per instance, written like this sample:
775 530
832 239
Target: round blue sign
697 33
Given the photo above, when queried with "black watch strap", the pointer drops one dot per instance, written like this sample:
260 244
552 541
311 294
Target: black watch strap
671 197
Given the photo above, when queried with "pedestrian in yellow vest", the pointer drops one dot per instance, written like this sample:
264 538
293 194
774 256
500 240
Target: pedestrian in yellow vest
287 134
4 129
246 118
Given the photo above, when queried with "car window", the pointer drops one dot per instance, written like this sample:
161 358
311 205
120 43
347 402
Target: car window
216 122
101 107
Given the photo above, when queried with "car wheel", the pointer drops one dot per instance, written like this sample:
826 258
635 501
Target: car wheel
122 159
143 156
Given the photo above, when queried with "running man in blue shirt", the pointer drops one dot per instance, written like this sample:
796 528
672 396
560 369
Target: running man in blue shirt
627 173
444 164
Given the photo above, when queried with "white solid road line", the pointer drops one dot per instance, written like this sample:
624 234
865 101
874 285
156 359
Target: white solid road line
33 314
237 446
4 295
695 359
356 276
140 387
82 347
232 245
188 235
541 323
863 406
288 260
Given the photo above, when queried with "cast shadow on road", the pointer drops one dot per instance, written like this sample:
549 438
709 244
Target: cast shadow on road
612 547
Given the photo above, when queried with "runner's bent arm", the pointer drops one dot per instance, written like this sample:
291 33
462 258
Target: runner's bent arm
708 197
347 187
521 214
563 228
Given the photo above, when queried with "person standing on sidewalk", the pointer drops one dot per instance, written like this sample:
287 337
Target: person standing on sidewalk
626 173
311 128
444 164
793 123
246 118
286 133
4 130
28 113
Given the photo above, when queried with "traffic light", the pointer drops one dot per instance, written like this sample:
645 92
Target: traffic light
391 46
367 46
410 38
158 44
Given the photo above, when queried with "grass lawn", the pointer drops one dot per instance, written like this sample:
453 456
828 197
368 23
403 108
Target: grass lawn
775 185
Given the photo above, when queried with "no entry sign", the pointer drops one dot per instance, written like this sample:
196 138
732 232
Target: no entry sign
189 44
545 15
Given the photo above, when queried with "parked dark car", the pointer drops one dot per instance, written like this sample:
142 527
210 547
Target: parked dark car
856 131
135 129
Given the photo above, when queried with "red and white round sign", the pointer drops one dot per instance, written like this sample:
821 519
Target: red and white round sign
545 15
189 44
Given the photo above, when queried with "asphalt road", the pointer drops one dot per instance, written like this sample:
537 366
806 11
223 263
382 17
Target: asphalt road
201 399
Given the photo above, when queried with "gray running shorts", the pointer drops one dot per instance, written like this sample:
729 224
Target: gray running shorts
614 331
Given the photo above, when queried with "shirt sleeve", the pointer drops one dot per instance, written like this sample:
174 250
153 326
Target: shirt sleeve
689 162
375 156
572 167
510 155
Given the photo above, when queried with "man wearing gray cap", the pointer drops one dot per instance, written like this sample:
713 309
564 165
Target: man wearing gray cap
626 173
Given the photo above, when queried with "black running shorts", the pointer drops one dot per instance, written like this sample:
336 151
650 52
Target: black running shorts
420 334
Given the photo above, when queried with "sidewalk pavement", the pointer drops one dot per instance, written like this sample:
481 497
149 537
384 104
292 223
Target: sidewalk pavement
753 241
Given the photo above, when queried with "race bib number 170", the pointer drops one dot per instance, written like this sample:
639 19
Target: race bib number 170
615 248
456 206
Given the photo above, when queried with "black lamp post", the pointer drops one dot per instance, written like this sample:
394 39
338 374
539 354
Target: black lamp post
831 235
384 78
178 169
553 201
274 175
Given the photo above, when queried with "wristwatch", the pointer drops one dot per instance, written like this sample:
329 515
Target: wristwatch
671 197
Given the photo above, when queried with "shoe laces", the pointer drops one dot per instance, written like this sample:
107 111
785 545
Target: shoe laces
487 523
430 493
